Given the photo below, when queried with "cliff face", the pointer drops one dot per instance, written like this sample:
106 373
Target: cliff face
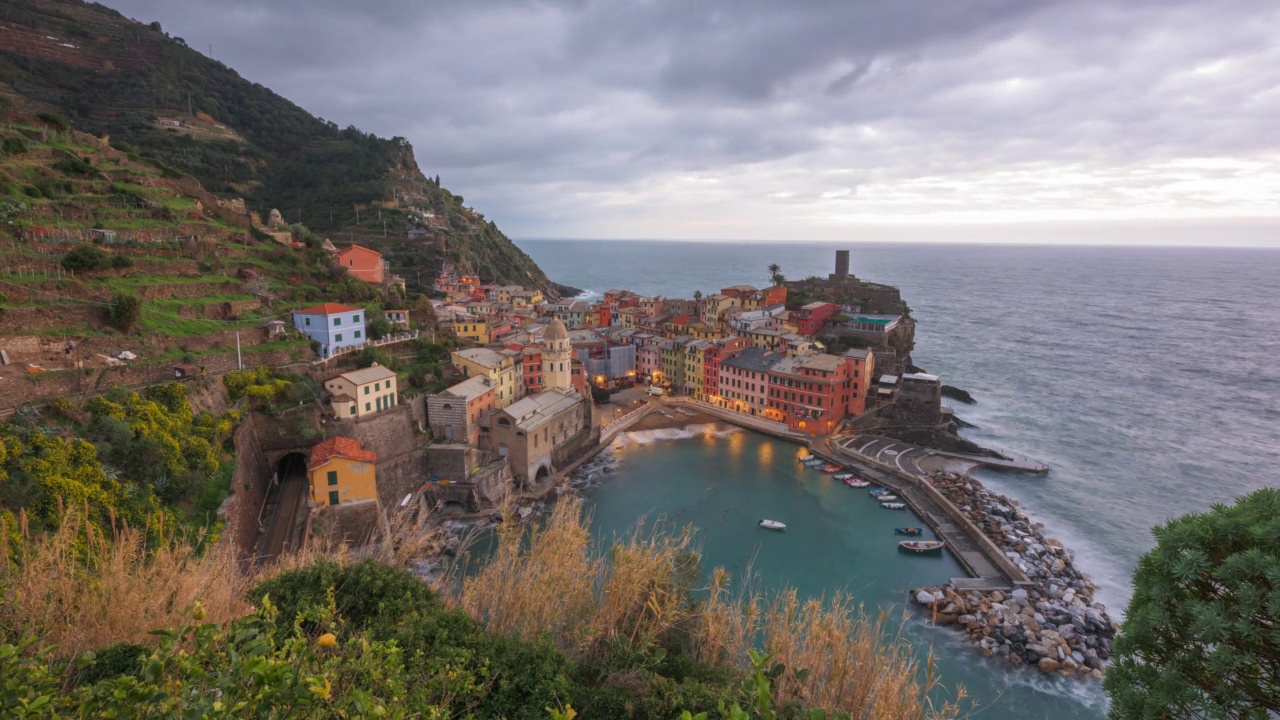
109 75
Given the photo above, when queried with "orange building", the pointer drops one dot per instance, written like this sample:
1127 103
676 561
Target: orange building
341 472
363 263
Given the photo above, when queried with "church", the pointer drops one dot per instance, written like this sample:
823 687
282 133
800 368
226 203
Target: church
540 434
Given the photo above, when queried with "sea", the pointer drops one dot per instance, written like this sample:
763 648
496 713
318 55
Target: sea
1145 377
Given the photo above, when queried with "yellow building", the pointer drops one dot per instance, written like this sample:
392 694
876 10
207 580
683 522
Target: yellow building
503 367
672 363
704 331
341 472
695 359
359 393
477 330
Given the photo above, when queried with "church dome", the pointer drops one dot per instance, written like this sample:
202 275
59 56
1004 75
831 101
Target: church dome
555 331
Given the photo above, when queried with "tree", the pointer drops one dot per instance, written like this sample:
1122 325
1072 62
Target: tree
85 258
775 273
125 311
1202 635
378 328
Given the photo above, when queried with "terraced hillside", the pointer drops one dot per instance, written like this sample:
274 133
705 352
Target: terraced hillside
83 224
112 76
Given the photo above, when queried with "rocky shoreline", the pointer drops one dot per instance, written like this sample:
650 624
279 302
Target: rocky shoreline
1053 623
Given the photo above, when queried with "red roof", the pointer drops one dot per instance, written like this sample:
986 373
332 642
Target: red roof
681 320
342 447
357 249
515 346
328 309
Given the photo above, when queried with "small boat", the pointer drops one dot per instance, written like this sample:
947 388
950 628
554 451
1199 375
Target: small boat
908 531
857 483
894 506
831 468
805 457
886 498
773 525
844 476
815 462
879 491
922 546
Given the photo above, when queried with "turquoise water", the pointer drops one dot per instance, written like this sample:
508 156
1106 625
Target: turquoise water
723 481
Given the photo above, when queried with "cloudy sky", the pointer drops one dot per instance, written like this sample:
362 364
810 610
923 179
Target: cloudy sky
1071 120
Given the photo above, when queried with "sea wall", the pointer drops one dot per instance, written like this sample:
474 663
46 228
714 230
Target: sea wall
1052 622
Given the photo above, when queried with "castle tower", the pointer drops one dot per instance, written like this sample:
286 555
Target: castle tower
842 263
557 358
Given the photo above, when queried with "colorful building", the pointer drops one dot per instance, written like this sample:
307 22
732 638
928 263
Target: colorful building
360 393
744 381
454 415
475 330
503 367
333 325
363 264
812 318
811 393
341 472
862 368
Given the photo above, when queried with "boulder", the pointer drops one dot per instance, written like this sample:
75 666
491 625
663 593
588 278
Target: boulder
924 597
1048 665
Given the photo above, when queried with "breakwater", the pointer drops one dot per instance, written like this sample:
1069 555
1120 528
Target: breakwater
1052 622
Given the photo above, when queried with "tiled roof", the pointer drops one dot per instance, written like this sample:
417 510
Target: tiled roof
328 309
367 375
753 359
341 447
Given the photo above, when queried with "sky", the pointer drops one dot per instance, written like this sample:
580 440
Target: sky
1127 121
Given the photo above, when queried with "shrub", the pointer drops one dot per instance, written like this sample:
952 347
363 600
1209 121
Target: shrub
125 311
85 258
55 121
14 146
121 261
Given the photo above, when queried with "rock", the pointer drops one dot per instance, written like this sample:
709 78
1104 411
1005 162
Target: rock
1019 594
924 597
1070 665
1096 674
1077 656
1015 659
1048 665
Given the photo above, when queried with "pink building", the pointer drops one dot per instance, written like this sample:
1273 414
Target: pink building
648 359
744 380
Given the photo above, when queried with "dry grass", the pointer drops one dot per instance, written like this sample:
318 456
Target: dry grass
80 588
548 582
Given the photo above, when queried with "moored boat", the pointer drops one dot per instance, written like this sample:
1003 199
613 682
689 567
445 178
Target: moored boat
878 491
908 531
815 462
805 457
857 483
772 525
844 476
886 498
894 506
922 546
831 468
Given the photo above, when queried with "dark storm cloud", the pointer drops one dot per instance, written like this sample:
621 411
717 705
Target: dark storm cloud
674 117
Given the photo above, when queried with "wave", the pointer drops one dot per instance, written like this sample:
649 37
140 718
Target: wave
589 295
688 432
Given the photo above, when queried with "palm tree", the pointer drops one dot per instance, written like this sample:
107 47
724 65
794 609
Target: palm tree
775 274
697 295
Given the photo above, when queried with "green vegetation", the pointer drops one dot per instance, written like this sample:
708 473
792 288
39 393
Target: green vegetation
125 311
1201 637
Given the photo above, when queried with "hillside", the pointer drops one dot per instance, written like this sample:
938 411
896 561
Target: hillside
111 76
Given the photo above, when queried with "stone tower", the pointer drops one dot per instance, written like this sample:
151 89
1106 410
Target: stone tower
842 263
557 358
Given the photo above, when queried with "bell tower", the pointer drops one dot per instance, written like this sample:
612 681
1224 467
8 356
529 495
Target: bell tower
557 358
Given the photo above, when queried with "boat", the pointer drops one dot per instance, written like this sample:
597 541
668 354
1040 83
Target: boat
894 506
844 476
879 491
908 531
815 462
805 457
857 483
831 468
886 498
922 546
772 525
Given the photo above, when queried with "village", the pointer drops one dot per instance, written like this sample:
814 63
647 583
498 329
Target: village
534 375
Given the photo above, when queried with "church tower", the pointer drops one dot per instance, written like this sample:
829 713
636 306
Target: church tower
557 358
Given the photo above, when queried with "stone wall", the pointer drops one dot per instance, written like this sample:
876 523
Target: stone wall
249 486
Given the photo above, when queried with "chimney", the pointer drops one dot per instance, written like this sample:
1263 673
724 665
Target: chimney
842 264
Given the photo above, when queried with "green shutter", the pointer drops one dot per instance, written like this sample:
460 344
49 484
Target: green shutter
333 497
333 477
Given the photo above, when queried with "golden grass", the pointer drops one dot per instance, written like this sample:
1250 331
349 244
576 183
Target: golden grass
548 582
81 588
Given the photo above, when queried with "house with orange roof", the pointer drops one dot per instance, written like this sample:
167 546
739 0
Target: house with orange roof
363 263
341 472
332 325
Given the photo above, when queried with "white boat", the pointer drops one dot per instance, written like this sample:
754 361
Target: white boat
773 525
843 476
857 483
894 506
887 498
922 546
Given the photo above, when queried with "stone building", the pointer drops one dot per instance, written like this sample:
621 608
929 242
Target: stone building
454 415
539 434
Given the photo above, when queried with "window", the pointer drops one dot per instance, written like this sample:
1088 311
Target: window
353 408
333 497
333 477
307 321
377 386
337 321
355 318
366 407
366 389
357 334
337 338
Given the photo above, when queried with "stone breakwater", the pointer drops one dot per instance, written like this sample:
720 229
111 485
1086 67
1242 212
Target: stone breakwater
1053 623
